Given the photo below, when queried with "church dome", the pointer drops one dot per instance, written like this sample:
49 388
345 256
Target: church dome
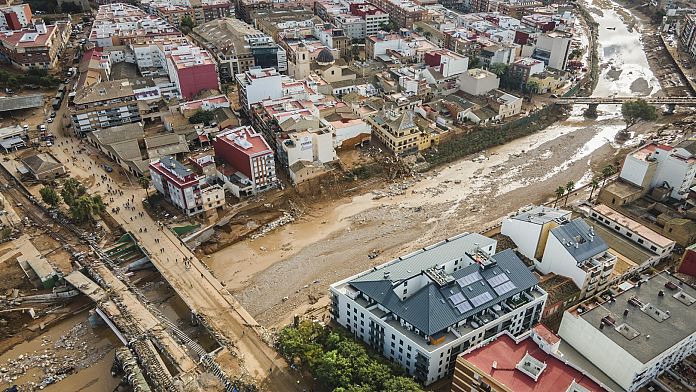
325 56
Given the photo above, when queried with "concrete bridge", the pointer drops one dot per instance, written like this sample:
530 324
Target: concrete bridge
617 100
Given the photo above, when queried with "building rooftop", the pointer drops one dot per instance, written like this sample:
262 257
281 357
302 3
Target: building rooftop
121 20
244 139
20 102
661 313
525 367
232 36
541 214
579 239
447 299
27 38
632 225
104 91
477 73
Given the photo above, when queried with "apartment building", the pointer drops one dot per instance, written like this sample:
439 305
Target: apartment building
248 166
184 188
192 70
422 309
361 20
655 165
477 81
245 8
237 46
119 24
634 231
258 84
638 333
400 133
15 17
33 48
687 33
529 228
531 362
574 250
525 67
104 105
403 12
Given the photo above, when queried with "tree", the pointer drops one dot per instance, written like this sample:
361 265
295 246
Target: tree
401 384
570 187
532 87
419 29
635 111
186 24
499 69
474 62
594 184
144 182
85 206
389 26
50 196
72 189
202 116
607 172
575 54
427 34
560 191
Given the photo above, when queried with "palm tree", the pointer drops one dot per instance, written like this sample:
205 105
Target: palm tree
593 184
499 69
570 186
560 191
607 172
144 182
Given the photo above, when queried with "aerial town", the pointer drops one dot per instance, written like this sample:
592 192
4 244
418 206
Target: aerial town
348 195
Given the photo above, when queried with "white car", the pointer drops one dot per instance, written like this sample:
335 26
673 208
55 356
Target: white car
50 120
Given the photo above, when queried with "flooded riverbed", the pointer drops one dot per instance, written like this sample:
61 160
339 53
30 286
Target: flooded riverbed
332 241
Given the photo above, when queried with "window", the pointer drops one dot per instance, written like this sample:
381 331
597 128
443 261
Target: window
640 240
348 305
393 337
401 350
393 345
409 348
653 247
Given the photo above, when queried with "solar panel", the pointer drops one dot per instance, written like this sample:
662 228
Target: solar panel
469 279
498 279
504 288
481 299
457 298
464 307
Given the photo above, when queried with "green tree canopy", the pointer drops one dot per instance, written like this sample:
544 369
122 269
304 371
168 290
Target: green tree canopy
202 116
187 24
340 363
72 189
635 111
49 196
499 69
85 207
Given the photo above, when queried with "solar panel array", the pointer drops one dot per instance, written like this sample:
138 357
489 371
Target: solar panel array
498 279
464 307
481 299
457 298
504 288
469 279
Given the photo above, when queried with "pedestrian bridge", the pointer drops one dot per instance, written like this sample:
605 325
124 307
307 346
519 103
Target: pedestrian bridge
684 101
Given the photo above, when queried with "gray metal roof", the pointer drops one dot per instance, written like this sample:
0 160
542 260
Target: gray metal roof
430 309
20 102
663 334
541 214
580 239
412 264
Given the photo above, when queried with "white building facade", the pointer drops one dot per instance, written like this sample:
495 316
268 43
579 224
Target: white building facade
639 333
422 309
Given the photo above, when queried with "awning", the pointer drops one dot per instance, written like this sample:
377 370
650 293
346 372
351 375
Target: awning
203 138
